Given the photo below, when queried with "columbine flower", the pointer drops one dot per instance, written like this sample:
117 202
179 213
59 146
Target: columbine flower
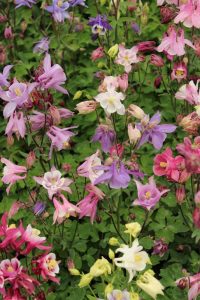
110 101
74 3
4 76
10 268
28 3
17 94
133 259
148 194
160 247
58 9
174 42
116 176
11 173
127 57
133 229
150 285
99 25
89 167
106 136
100 267
47 266
16 124
189 92
117 294
53 182
53 76
179 71
191 282
88 205
39 208
189 14
42 46
64 210
86 107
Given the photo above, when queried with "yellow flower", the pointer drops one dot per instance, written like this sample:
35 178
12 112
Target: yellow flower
134 296
150 285
100 267
108 289
133 228
85 280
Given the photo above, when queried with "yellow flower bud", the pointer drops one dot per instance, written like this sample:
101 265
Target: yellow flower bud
101 65
85 280
100 267
133 228
108 289
134 296
113 242
112 52
77 95
111 254
74 272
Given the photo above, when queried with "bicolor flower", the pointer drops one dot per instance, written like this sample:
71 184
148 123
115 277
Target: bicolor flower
64 210
99 25
189 92
47 266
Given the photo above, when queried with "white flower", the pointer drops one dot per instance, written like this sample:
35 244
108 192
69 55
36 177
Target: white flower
148 283
133 258
111 101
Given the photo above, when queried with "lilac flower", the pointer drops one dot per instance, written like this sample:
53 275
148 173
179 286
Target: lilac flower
115 175
42 46
38 208
53 76
28 3
117 294
154 133
77 2
99 25
16 124
148 194
106 136
4 76
59 10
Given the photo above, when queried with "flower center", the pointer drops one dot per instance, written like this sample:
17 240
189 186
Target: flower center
10 269
35 232
66 145
12 226
53 180
163 164
111 100
18 92
60 3
51 264
179 73
138 258
126 58
148 195
119 296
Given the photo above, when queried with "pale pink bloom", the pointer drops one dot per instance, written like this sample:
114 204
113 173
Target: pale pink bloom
14 208
86 107
193 283
64 210
189 92
16 125
89 168
10 268
109 82
127 57
11 173
48 267
53 182
97 53
189 14
174 42
123 82
53 76
17 94
59 137
161 2
4 76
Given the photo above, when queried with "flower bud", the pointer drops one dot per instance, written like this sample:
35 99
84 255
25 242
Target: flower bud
97 53
156 60
23 26
123 82
8 33
86 107
113 242
144 19
30 159
136 28
157 82
180 194
111 254
77 95
196 217
136 111
134 134
66 167
74 272
3 55
85 280
3 18
108 289
54 113
112 52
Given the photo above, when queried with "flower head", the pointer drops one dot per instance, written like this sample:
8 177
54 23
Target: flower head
42 46
58 9
48 267
189 14
64 210
127 57
150 285
28 3
106 136
4 76
99 25
110 101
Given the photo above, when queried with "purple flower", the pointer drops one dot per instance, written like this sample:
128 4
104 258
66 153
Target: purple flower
59 10
99 25
115 175
117 294
4 76
160 247
154 133
77 2
16 124
28 3
106 136
148 194
42 46
136 28
38 208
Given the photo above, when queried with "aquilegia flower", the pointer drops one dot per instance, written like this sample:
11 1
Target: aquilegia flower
12 173
179 71
174 42
117 294
154 133
4 76
42 46
47 266
53 182
150 285
28 3
116 175
53 76
58 9
16 124
191 282
189 14
77 2
110 101
148 194
127 57
106 136
189 92
64 210
99 25
133 259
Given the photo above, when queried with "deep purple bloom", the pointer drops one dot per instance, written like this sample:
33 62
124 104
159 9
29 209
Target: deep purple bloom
136 28
99 25
77 2
28 3
160 247
42 46
154 133
106 136
4 76
148 194
58 9
38 208
116 175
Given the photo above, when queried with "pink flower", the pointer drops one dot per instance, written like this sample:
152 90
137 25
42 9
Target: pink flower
189 14
64 210
179 71
53 76
47 266
108 83
193 282
59 138
4 76
162 162
88 206
11 173
8 234
127 57
123 82
16 124
89 167
10 268
17 94
86 107
189 92
53 182
97 53
156 60
174 42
